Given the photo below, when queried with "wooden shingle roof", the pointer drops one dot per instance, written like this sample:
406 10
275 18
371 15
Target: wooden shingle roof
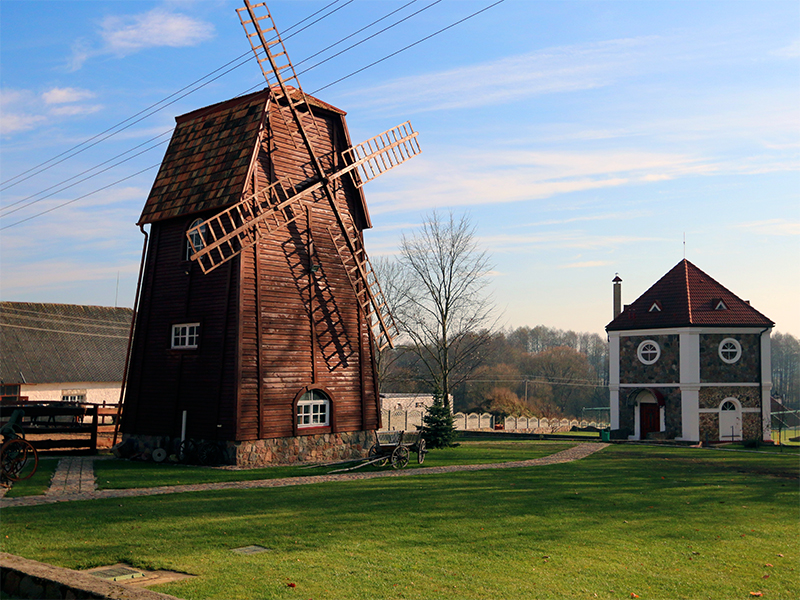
53 343
209 157
686 296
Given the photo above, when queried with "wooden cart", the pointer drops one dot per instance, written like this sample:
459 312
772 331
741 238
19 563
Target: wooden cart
392 447
395 446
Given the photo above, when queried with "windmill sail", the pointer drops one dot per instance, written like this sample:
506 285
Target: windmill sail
240 226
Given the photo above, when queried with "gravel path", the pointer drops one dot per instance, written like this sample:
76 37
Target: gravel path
68 493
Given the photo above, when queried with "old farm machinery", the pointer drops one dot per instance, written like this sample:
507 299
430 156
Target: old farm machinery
18 458
392 448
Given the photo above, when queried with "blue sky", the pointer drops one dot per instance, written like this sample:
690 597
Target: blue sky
583 138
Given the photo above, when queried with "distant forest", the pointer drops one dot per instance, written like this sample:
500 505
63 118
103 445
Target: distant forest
548 372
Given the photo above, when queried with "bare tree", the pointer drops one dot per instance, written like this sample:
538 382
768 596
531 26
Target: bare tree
444 309
395 284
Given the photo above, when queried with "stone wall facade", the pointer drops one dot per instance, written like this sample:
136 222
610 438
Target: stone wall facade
714 369
665 370
748 396
673 423
324 447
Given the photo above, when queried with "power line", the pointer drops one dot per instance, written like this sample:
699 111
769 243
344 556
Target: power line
85 178
105 187
245 92
409 46
85 145
368 37
161 108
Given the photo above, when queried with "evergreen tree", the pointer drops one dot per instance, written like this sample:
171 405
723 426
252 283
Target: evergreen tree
437 425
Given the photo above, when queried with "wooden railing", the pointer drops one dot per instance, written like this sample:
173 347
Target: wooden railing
62 425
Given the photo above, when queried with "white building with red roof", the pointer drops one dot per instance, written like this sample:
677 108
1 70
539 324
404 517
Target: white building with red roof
689 361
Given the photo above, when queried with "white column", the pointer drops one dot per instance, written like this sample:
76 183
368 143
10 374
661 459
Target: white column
690 386
766 385
613 377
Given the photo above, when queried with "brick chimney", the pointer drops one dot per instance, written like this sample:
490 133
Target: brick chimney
617 295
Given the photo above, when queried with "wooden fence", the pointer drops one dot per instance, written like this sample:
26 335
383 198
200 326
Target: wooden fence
61 425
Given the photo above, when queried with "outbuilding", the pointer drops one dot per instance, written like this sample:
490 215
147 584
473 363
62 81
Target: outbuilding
689 361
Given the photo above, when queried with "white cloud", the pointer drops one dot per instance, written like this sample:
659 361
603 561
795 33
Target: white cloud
58 95
553 70
128 34
158 27
772 227
75 110
790 51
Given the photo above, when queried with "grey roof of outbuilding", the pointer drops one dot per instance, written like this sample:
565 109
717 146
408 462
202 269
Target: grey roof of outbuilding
52 343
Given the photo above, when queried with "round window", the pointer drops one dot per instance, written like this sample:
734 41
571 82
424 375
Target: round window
730 350
648 352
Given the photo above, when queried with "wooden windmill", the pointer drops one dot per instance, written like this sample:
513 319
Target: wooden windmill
225 235
260 312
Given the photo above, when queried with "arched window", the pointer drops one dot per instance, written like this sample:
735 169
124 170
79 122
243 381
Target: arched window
313 409
195 240
648 352
730 350
728 405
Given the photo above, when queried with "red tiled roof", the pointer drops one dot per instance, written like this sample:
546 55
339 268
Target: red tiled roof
687 297
208 157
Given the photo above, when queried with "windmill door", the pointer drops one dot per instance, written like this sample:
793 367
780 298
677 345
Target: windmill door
649 421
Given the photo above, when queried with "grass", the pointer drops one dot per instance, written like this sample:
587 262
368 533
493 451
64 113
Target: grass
661 523
38 483
123 474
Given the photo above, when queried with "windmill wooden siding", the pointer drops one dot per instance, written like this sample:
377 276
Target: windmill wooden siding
269 327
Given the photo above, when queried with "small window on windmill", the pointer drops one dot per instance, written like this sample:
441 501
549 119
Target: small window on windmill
194 241
185 335
655 307
313 409
719 304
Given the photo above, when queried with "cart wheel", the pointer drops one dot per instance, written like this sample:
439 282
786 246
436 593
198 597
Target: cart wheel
187 453
422 450
400 457
374 452
159 455
18 460
18 431
209 453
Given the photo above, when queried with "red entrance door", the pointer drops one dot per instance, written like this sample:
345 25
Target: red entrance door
648 419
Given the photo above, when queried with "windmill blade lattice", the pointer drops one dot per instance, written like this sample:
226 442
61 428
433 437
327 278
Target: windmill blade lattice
240 226
224 235
273 59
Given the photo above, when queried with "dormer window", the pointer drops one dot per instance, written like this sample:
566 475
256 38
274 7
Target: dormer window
730 350
648 352
720 305
655 307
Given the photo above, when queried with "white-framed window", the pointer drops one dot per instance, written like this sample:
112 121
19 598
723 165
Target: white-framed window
73 397
648 352
313 410
185 335
194 241
730 350
728 405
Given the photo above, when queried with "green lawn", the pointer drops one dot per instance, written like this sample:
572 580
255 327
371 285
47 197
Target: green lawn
120 474
662 523
38 483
